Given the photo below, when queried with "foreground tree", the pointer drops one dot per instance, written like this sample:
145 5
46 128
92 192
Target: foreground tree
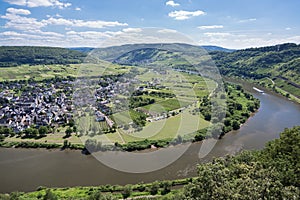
272 173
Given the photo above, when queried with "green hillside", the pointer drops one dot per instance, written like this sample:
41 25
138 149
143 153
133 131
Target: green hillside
276 67
18 55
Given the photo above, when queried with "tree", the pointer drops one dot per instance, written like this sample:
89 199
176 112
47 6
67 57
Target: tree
74 129
68 132
166 187
31 132
235 125
91 145
43 130
126 191
50 195
154 188
66 144
271 173
239 106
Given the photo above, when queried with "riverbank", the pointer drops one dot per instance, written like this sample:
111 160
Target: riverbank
153 189
267 84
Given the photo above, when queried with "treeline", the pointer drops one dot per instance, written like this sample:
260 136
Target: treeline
154 94
92 145
34 145
135 102
18 55
239 106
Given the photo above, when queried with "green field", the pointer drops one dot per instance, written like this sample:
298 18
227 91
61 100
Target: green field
181 124
167 105
40 72
187 88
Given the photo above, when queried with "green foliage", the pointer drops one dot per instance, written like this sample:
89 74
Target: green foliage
68 132
17 55
126 191
272 173
5 131
280 63
154 188
24 144
31 132
99 196
50 195
138 118
135 102
239 105
166 187
283 154
43 130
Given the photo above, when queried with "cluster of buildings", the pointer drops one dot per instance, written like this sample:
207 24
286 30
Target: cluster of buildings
38 104
52 102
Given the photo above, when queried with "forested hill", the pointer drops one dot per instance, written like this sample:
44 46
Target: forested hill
17 55
281 63
253 62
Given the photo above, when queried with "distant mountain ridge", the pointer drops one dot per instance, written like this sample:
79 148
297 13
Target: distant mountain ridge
208 48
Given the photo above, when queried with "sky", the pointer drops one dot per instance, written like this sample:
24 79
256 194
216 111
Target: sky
234 24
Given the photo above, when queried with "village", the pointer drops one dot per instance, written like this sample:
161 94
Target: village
55 102
35 104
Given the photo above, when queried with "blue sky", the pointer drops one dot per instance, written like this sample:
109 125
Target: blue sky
227 23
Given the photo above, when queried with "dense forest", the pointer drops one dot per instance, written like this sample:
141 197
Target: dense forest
17 55
270 173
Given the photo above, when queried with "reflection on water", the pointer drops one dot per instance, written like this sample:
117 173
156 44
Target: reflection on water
26 169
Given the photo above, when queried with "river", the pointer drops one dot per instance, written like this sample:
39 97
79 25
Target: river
26 169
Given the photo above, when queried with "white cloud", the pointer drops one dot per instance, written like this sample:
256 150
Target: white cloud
16 2
183 15
11 33
18 11
247 20
78 9
245 40
48 33
15 20
218 34
167 31
132 30
82 23
287 28
18 22
39 3
210 27
172 3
